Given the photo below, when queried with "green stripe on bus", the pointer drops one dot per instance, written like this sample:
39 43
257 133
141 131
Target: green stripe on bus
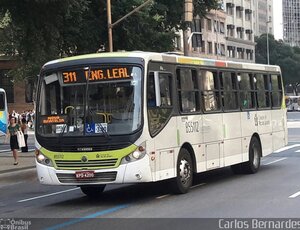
117 155
178 137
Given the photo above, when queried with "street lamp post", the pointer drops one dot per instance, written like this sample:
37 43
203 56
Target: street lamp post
268 52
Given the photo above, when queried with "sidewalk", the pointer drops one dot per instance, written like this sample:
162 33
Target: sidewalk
26 161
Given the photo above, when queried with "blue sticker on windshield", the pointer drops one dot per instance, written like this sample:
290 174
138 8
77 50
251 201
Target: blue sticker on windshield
92 128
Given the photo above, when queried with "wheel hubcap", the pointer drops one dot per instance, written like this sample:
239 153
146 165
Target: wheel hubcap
185 171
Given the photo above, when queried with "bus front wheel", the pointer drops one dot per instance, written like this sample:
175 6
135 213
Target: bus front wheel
92 191
184 173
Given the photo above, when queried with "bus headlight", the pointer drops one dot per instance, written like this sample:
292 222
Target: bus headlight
42 159
137 154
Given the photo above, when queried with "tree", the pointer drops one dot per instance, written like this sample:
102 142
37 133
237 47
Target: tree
36 31
287 57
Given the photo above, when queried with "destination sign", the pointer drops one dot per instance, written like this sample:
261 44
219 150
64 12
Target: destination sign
99 74
53 120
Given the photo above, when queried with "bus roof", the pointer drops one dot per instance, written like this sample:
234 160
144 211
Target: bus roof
171 58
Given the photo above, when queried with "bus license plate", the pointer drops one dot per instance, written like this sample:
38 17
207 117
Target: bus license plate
84 174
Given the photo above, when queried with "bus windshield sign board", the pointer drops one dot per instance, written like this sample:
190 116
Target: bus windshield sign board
95 75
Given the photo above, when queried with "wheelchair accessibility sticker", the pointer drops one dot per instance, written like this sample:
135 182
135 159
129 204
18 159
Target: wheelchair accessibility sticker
92 128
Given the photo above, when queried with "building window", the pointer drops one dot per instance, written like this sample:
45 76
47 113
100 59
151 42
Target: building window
240 32
231 51
202 46
210 48
209 24
217 49
240 53
229 8
223 49
216 26
222 27
239 11
230 30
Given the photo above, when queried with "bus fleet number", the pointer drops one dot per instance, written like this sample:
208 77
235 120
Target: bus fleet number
192 127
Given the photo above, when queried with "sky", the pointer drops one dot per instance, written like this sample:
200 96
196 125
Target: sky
277 17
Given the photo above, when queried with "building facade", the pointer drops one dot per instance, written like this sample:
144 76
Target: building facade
263 17
228 33
291 22
15 90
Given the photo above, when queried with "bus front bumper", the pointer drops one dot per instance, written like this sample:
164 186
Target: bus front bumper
133 172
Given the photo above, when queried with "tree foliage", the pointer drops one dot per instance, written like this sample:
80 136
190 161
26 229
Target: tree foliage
36 31
287 57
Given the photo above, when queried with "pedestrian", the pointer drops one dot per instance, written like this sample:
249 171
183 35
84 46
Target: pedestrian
24 129
12 130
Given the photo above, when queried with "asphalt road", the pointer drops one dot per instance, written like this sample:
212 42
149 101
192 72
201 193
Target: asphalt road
274 192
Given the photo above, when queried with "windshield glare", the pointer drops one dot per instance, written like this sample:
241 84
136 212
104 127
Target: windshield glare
102 107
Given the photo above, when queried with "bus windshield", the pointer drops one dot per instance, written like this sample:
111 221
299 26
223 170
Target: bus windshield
97 100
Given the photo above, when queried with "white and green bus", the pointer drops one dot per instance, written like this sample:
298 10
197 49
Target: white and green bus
131 117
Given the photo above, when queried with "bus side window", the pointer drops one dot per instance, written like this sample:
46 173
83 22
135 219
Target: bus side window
159 101
210 90
247 92
188 91
276 90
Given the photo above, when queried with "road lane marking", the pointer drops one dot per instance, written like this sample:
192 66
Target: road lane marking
91 216
47 195
286 148
295 195
272 162
163 196
198 185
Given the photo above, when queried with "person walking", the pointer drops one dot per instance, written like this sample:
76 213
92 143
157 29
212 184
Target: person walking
12 130
24 128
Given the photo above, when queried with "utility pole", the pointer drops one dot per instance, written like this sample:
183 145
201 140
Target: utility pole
268 52
110 25
188 18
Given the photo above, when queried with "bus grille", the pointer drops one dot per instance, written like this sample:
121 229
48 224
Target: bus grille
98 177
89 164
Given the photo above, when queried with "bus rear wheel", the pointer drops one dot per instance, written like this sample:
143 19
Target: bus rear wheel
93 191
255 153
251 166
184 173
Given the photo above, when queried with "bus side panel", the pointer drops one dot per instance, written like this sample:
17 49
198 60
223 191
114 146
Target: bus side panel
232 138
166 151
190 130
213 135
248 127
264 119
278 128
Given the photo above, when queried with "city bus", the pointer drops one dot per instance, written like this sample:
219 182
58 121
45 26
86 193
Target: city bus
292 103
3 112
133 117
